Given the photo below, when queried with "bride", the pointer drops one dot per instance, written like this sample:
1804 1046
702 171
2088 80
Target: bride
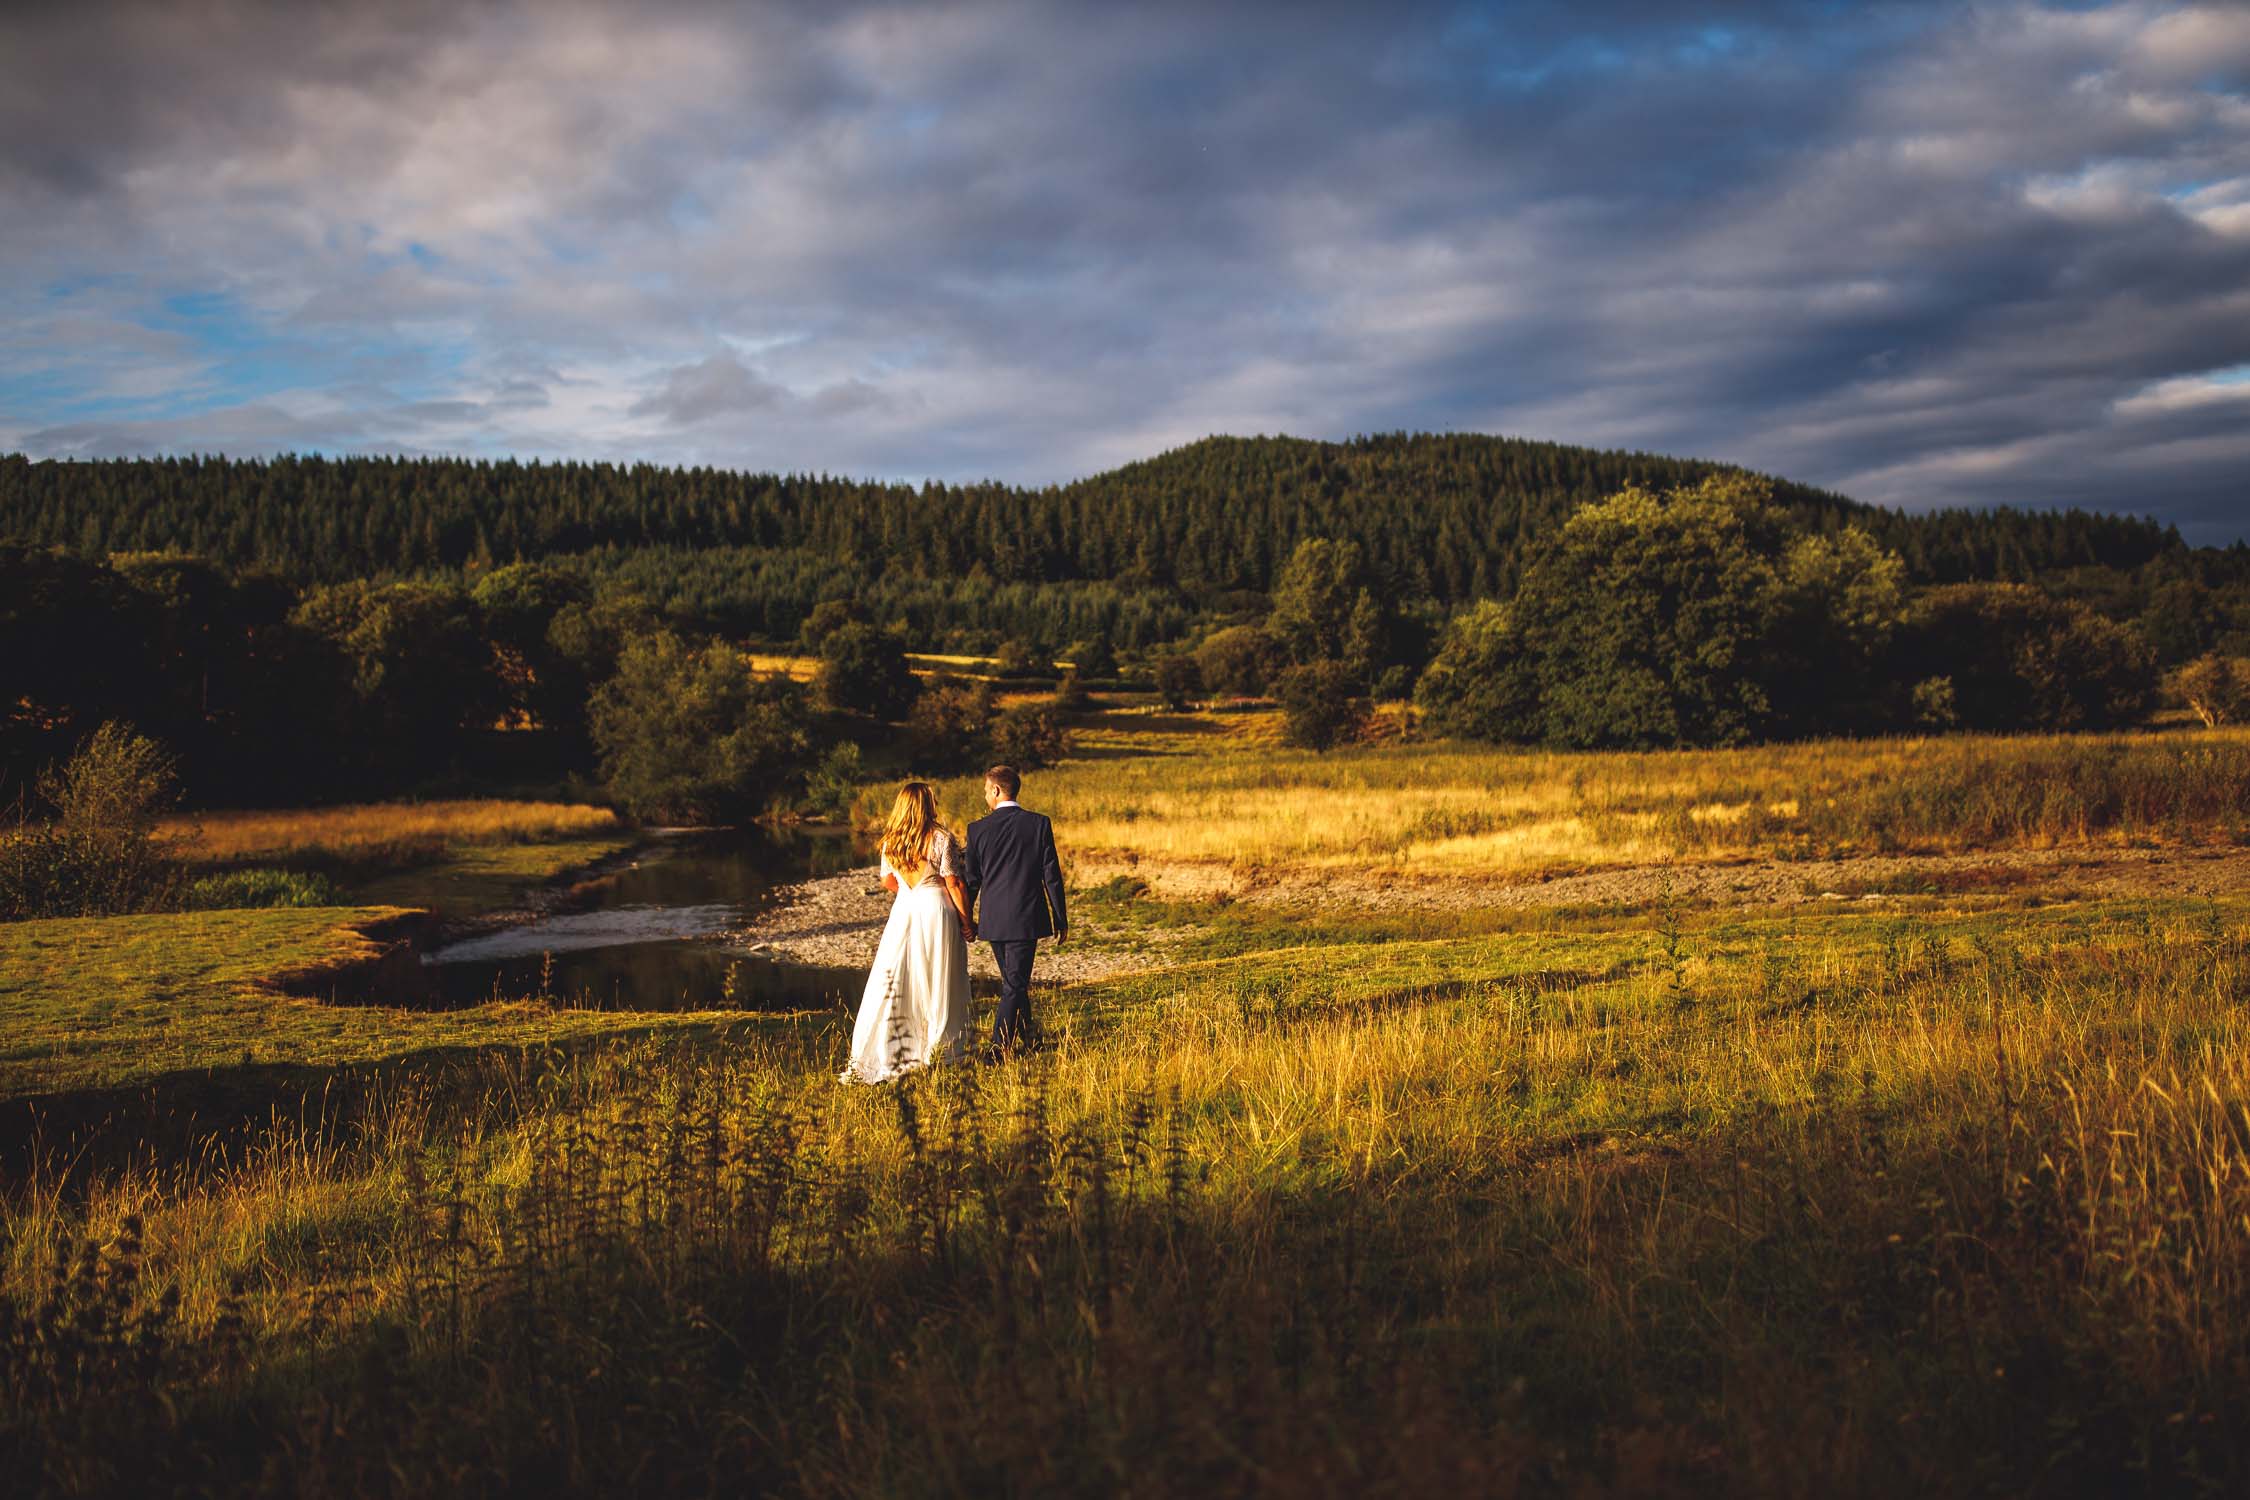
916 1008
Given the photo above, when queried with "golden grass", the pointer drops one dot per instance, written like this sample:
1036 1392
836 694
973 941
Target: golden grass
785 664
1848 1176
216 837
1214 789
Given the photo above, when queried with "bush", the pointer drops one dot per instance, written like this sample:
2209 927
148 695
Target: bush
1178 680
1017 658
1320 705
951 725
863 670
691 734
2215 688
1094 659
828 617
99 854
835 781
1238 661
2021 660
1070 693
1933 703
1028 736
259 888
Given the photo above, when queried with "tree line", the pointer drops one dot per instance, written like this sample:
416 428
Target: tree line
1703 606
1142 555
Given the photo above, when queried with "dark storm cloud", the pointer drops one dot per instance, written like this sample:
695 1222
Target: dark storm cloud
1926 254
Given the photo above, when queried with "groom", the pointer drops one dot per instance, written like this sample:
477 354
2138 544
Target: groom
1011 862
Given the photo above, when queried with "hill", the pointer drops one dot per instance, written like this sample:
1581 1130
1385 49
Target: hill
1137 552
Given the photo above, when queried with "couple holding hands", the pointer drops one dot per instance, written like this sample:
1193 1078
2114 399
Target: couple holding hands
1003 882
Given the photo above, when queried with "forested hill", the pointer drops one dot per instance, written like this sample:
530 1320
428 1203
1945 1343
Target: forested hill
1446 517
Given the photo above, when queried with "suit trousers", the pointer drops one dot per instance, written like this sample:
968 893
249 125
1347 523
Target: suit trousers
1011 1025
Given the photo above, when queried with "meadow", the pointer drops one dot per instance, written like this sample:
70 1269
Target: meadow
1950 1195
1218 790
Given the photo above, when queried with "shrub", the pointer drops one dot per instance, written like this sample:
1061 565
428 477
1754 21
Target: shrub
691 734
1178 680
828 617
98 855
1070 693
1320 705
1018 658
1933 703
835 780
1094 659
951 724
1238 661
1029 735
259 888
2215 688
863 670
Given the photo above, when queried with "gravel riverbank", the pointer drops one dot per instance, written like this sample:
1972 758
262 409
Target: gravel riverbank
835 922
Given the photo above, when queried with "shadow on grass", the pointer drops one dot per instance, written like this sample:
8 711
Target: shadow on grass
201 1118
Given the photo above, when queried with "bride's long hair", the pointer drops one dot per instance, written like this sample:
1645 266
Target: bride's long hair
913 821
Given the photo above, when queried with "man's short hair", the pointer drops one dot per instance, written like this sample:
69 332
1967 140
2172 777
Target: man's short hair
1005 778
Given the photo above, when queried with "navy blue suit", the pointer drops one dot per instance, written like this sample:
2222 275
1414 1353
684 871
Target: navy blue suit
1015 886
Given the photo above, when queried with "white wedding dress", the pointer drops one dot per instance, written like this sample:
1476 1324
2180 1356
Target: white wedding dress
916 1007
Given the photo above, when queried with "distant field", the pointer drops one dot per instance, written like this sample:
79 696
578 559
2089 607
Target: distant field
925 664
1215 788
224 836
801 668
460 858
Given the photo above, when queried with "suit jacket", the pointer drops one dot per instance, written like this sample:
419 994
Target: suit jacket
1010 863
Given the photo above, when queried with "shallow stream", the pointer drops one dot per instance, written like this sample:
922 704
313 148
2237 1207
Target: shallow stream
647 937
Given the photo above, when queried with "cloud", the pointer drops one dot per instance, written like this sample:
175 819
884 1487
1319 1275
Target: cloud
1931 254
718 387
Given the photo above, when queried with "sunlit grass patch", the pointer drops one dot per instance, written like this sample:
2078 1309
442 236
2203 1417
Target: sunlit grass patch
797 667
1211 789
218 837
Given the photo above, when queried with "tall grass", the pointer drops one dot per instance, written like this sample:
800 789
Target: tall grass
1451 810
358 830
1764 1212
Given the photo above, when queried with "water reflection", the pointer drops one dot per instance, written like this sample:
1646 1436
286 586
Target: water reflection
641 938
650 976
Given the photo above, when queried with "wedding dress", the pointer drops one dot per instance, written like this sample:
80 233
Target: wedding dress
916 1006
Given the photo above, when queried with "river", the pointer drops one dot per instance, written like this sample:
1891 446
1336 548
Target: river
650 936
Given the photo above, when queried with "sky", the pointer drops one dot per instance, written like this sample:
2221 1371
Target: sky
1924 254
